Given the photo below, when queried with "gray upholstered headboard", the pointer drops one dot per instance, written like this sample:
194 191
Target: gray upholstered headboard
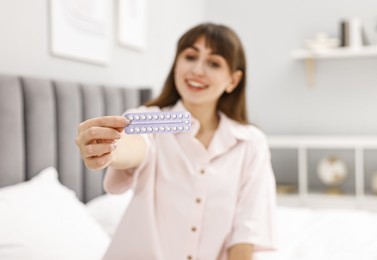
39 122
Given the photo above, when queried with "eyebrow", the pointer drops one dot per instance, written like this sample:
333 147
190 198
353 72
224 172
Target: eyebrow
196 49
193 47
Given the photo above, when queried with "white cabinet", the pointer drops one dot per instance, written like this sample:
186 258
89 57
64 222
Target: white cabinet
295 160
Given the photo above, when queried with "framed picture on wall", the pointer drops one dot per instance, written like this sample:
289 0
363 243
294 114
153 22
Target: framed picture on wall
81 30
132 23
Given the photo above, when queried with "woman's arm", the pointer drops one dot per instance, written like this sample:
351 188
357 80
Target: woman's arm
240 252
130 153
103 143
254 220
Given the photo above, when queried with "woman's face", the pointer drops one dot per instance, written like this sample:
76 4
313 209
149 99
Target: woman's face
202 76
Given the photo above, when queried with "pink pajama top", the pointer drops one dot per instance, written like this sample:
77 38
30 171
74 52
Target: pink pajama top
191 202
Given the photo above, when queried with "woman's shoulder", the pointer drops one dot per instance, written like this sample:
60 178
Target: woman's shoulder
256 132
248 132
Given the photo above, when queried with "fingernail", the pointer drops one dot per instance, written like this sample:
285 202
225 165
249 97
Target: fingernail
127 121
114 145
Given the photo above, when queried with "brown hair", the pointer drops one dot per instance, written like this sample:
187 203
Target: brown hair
225 42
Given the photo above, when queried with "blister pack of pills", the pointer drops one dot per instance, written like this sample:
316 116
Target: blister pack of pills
158 122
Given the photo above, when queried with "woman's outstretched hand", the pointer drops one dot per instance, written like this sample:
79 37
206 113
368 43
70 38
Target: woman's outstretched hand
97 138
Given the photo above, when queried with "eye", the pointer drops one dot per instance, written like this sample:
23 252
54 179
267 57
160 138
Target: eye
214 64
190 57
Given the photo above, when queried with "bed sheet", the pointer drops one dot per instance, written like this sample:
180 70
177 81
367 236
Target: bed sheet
324 234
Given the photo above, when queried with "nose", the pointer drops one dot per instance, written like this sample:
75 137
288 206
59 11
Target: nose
198 68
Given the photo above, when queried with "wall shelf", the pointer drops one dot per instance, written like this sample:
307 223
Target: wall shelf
336 53
322 141
304 154
310 56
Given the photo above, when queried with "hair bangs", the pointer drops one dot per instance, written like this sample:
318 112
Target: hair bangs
220 40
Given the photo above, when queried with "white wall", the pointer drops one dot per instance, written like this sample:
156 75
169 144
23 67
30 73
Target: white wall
25 50
344 99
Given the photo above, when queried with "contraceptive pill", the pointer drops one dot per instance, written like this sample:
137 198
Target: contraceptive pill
158 122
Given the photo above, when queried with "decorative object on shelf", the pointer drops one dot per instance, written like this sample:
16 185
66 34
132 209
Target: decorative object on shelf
373 182
81 30
132 23
332 171
352 43
352 33
321 41
286 188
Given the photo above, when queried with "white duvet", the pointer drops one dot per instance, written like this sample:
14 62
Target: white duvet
41 219
303 233
324 234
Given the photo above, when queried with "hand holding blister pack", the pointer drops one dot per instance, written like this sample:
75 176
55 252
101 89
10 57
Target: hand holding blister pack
158 122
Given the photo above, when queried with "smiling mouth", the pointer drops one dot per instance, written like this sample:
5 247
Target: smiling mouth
196 85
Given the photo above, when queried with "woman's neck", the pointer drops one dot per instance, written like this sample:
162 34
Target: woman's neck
206 115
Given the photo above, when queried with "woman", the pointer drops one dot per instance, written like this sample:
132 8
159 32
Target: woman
208 194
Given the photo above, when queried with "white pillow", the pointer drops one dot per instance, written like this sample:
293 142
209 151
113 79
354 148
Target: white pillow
42 220
108 209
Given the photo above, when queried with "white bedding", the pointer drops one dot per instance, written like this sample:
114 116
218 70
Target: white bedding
324 234
41 219
303 233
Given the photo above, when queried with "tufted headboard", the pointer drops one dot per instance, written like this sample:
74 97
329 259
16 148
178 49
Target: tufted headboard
39 122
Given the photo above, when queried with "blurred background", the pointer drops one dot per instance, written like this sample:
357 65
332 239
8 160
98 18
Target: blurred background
312 91
341 101
290 95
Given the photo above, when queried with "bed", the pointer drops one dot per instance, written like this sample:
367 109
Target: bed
43 183
324 234
52 207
